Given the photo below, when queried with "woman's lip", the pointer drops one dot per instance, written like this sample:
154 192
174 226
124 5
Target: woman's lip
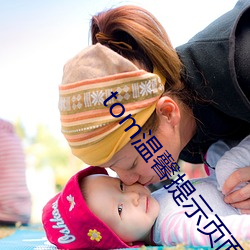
149 182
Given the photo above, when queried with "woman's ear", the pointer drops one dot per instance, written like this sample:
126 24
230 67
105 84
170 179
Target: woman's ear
168 110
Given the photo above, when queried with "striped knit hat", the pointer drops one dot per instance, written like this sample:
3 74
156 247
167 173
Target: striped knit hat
93 133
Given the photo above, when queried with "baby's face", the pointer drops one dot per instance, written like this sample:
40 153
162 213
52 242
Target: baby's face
130 211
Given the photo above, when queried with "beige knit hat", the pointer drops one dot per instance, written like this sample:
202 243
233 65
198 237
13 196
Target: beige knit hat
93 133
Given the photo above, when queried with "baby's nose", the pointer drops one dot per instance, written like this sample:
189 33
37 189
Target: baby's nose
133 198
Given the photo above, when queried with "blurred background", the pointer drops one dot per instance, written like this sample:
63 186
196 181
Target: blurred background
36 39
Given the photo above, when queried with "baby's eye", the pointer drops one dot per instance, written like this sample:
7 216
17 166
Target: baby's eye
120 206
121 185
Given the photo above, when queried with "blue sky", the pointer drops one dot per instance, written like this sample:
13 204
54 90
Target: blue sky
38 37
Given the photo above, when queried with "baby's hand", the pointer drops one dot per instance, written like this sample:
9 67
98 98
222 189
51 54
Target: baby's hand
240 198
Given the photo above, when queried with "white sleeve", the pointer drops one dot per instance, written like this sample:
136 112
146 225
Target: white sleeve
178 228
214 153
237 157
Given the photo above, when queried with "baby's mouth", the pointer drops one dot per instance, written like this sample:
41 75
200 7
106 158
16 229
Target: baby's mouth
147 203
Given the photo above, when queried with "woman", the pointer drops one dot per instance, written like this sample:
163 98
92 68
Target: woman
206 94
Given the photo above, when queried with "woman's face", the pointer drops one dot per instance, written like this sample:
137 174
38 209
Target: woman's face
173 133
130 165
128 162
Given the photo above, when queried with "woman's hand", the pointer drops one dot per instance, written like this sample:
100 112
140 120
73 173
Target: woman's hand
240 198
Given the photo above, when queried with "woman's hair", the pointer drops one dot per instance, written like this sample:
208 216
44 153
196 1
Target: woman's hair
137 35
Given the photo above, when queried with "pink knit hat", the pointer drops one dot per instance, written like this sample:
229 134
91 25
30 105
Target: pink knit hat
69 223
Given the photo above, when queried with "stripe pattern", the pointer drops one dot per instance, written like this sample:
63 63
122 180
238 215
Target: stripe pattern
15 200
84 118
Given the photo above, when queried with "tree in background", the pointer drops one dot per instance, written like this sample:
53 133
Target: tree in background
44 150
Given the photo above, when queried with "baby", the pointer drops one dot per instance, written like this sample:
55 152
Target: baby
96 211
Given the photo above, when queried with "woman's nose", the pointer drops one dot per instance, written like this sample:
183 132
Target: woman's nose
126 177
